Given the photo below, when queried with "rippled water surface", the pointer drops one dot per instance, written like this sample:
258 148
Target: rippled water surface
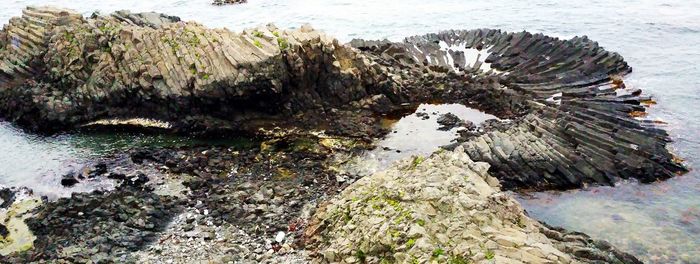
659 38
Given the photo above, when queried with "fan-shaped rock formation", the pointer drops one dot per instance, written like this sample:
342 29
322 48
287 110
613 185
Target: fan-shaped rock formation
576 123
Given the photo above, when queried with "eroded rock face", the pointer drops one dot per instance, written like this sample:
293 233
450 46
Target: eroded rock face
444 208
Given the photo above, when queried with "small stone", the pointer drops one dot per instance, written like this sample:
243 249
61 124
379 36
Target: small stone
208 235
329 255
69 180
280 237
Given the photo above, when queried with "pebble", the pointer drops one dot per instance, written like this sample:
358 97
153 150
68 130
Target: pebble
279 237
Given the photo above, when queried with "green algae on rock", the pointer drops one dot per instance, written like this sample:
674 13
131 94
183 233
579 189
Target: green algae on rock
444 208
18 237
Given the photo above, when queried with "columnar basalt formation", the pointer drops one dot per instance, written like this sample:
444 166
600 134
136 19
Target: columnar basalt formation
576 122
573 122
86 69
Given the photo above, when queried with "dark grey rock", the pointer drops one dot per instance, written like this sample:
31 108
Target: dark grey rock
69 180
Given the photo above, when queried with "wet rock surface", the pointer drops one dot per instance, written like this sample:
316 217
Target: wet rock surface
449 121
228 204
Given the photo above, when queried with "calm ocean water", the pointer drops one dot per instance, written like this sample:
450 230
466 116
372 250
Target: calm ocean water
659 38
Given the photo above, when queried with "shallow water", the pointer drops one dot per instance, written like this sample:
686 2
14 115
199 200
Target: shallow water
659 38
414 134
39 162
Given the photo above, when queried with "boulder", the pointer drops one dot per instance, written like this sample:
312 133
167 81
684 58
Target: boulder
449 121
69 180
442 209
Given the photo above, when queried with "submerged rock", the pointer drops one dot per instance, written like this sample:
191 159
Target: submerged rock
445 208
449 121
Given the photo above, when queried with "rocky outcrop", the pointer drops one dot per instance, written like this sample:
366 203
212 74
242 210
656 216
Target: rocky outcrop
17 206
576 122
126 66
443 209
535 63
122 221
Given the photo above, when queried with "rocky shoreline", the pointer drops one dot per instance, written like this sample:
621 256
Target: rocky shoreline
313 104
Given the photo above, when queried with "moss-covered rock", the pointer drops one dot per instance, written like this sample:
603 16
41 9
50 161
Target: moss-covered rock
443 209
